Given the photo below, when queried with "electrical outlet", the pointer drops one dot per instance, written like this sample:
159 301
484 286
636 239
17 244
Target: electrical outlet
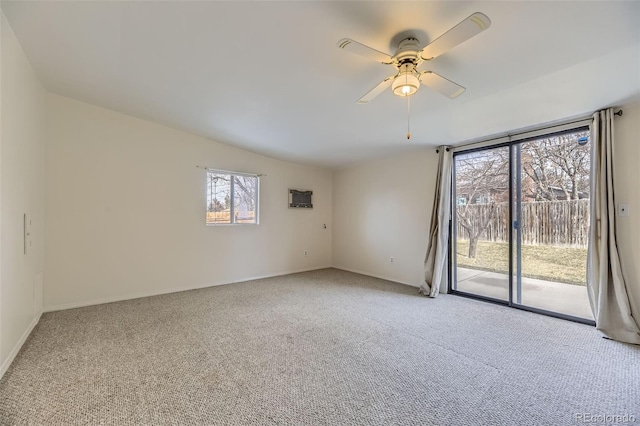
391 259
305 253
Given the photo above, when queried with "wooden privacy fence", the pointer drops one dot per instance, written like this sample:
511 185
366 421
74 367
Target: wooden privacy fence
564 223
225 216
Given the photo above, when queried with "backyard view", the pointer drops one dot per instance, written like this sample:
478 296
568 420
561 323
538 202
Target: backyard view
231 198
549 183
539 261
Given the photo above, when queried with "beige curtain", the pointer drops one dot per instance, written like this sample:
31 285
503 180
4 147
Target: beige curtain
605 282
436 262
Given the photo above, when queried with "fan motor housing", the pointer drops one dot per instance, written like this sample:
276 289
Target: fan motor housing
407 52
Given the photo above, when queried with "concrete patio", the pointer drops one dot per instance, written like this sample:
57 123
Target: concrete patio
551 296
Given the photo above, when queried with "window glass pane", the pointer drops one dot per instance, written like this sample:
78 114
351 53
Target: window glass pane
531 197
218 198
553 235
245 199
482 223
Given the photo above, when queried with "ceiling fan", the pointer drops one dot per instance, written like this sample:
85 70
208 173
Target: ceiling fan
410 55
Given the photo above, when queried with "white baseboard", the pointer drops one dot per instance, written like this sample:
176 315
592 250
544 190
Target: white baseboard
355 271
83 303
18 346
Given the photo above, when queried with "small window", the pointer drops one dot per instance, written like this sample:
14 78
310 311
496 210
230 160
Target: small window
231 198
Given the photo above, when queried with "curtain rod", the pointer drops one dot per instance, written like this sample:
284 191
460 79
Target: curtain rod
229 171
511 135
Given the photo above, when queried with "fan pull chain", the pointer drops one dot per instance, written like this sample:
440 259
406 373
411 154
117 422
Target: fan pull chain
408 117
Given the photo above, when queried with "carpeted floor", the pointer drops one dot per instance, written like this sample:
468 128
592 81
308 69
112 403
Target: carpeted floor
319 348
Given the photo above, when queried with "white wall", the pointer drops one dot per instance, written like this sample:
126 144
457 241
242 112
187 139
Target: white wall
125 211
382 209
21 191
626 156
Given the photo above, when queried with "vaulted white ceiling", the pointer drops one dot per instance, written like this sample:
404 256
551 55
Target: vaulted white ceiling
267 76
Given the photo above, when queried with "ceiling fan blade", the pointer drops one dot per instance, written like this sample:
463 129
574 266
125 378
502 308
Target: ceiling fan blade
466 29
362 50
376 90
441 84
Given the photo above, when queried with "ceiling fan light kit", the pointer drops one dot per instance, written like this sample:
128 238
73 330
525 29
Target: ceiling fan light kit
406 83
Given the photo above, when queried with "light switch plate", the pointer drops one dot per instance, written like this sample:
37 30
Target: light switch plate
27 233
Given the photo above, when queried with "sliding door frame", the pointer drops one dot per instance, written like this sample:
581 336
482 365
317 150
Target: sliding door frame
453 261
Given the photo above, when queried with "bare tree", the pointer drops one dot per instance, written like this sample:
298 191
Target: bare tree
481 178
218 186
245 193
552 169
556 167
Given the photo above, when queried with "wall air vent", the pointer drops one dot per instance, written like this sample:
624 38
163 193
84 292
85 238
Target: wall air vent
300 199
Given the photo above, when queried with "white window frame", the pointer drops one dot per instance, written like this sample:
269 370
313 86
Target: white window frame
233 174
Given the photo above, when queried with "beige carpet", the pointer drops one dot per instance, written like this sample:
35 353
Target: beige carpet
318 348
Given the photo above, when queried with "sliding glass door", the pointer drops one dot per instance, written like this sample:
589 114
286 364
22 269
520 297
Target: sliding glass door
551 223
521 224
481 197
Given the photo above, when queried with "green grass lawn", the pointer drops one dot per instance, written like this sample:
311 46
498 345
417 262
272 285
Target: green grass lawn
560 264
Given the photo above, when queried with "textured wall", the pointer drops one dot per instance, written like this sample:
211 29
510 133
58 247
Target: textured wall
382 209
626 156
22 153
125 210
